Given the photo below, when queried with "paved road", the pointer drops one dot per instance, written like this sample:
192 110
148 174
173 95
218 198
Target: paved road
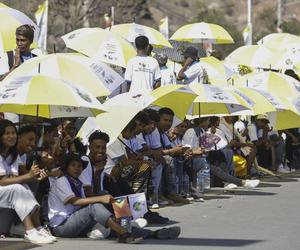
264 218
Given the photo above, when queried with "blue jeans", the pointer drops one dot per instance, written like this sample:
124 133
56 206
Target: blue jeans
228 153
199 162
82 221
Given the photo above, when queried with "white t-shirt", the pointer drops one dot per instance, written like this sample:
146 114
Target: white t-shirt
7 169
252 132
167 76
190 137
86 176
194 73
115 152
59 194
142 72
154 140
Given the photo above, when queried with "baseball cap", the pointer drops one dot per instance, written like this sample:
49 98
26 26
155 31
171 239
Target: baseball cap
262 117
191 52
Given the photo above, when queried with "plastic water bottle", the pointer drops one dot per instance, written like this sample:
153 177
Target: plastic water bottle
186 183
206 177
125 222
200 181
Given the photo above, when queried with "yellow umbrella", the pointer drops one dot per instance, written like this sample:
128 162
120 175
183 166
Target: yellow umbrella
100 44
202 32
257 56
275 83
132 30
202 99
47 97
279 41
10 19
96 77
218 73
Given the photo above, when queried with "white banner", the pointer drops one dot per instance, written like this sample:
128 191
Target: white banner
41 16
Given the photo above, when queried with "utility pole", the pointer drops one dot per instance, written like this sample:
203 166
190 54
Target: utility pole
250 21
279 15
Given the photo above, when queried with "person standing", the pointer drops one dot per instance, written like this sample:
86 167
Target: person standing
142 72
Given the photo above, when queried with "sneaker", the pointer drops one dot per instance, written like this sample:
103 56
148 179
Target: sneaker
164 199
230 186
282 170
251 183
127 238
155 218
98 232
46 232
155 206
178 199
168 233
36 237
163 202
139 223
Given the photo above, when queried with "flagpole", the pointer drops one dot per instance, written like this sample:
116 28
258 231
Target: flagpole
112 15
250 20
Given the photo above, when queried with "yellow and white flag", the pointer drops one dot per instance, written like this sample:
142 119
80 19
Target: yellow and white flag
164 27
41 16
247 33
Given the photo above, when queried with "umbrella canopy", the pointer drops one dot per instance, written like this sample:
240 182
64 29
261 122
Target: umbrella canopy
218 73
132 30
274 83
103 45
257 56
202 100
202 32
47 97
279 41
96 77
10 20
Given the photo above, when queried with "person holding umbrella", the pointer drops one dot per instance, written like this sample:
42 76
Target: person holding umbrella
191 71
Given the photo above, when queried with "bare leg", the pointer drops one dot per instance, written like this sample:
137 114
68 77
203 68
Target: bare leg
27 222
250 159
115 226
36 218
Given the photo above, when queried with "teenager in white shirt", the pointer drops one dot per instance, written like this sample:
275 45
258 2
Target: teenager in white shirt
14 193
192 71
71 214
142 72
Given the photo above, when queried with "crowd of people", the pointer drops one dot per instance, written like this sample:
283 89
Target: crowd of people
48 177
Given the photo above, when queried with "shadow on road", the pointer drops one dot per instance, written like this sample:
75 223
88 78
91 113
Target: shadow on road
280 179
251 192
267 184
15 245
203 242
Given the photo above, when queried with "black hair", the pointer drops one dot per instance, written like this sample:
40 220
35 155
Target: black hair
142 117
51 127
80 148
98 135
141 42
27 129
152 114
198 121
131 126
165 111
26 31
13 150
292 73
213 120
149 49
